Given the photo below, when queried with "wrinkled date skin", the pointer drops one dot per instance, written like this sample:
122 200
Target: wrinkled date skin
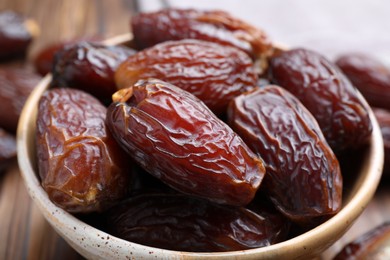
43 61
15 34
213 73
215 26
7 149
303 177
178 222
81 166
177 139
337 106
373 244
383 118
369 75
90 67
16 85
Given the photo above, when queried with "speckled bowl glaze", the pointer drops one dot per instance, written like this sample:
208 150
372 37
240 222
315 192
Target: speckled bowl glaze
95 244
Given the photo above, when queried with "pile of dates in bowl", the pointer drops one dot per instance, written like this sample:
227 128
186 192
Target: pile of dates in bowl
197 138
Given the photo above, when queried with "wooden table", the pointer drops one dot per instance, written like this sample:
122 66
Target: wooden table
24 234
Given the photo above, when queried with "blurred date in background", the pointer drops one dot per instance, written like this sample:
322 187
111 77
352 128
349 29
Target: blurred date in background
330 27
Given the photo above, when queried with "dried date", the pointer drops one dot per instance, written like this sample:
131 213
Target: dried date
369 75
177 139
337 106
215 26
371 245
16 34
303 177
213 73
7 149
90 67
43 61
178 222
81 166
16 85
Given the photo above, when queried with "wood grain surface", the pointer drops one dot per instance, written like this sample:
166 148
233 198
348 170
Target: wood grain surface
24 234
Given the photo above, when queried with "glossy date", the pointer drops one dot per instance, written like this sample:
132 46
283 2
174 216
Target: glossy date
16 34
212 25
303 177
16 85
337 106
177 139
369 75
43 61
178 222
373 244
81 166
213 73
90 67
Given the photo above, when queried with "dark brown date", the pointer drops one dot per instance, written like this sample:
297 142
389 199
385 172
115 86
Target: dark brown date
383 118
81 166
16 85
337 106
373 244
16 34
43 61
215 26
177 139
178 222
303 177
213 73
7 149
89 67
369 75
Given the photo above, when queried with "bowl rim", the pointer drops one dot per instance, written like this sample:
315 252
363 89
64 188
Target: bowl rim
301 245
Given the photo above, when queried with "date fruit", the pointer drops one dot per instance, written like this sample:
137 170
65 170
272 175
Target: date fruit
16 85
90 67
338 107
303 177
373 244
43 61
178 222
7 149
214 26
81 166
369 75
16 34
177 139
383 118
213 73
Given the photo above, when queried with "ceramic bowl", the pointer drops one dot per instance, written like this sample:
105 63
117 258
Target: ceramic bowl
96 244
